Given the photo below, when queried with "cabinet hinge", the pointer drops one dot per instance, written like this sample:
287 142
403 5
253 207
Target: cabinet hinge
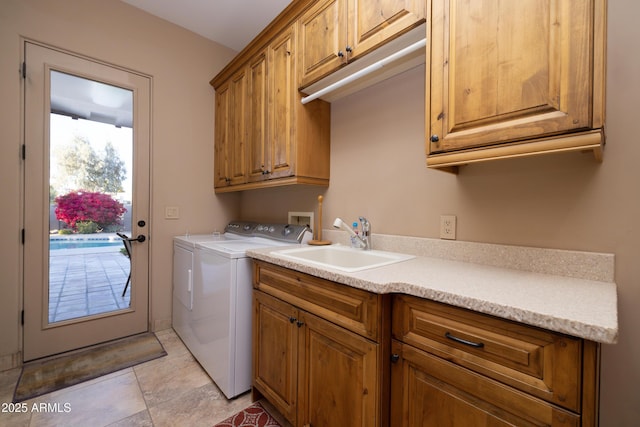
22 236
24 151
24 70
22 317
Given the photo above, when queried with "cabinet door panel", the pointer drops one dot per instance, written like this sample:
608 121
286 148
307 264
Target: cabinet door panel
323 34
257 122
337 386
373 22
237 141
283 91
275 353
430 392
543 363
506 71
351 308
222 135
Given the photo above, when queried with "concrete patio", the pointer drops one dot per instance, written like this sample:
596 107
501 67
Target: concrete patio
87 281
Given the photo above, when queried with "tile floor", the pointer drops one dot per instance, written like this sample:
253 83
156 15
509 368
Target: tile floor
171 391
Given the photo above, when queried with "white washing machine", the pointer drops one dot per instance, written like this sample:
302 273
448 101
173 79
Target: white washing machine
183 270
213 298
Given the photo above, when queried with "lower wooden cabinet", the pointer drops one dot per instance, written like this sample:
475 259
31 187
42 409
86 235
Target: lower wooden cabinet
329 355
430 391
275 353
455 367
315 372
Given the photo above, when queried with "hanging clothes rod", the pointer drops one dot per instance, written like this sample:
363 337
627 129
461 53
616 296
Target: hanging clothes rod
365 71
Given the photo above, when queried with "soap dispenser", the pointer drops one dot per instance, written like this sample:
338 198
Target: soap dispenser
354 237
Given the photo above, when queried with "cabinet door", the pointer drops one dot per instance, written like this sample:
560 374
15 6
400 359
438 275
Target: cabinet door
542 363
337 376
257 121
323 39
222 136
282 112
275 352
504 71
428 391
237 142
373 22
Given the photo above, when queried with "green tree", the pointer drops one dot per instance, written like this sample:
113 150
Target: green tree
82 168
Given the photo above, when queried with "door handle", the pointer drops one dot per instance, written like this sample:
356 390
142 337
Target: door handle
141 238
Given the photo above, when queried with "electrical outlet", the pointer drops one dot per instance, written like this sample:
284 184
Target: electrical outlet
301 218
448 227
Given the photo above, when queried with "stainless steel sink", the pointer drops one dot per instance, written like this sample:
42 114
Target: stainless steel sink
342 257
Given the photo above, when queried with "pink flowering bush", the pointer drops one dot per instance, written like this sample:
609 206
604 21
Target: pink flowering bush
79 206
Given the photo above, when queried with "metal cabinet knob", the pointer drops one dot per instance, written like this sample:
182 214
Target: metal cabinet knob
435 138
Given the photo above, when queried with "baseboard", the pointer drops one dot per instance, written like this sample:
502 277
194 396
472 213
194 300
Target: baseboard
10 361
161 324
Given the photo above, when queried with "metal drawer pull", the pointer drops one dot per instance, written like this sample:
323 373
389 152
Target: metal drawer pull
463 341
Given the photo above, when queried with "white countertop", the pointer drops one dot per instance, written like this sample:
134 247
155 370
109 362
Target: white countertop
576 306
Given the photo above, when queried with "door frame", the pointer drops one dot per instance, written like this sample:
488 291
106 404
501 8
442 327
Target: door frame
41 338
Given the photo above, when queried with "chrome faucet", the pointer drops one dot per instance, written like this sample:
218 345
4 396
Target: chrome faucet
366 232
357 241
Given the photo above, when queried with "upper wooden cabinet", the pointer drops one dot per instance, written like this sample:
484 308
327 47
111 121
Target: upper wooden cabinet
231 133
274 110
334 32
264 136
508 79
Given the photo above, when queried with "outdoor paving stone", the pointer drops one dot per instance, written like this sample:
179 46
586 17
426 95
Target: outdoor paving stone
87 284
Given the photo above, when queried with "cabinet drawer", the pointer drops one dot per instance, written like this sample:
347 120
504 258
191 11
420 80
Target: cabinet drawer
430 391
542 363
353 309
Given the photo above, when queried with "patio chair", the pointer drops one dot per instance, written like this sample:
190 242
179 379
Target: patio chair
127 247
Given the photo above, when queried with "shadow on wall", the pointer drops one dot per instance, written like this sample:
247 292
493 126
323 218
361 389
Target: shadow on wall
514 203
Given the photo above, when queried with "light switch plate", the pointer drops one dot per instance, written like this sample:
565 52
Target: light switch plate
171 212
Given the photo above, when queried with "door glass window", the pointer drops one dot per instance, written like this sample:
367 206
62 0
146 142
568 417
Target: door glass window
90 196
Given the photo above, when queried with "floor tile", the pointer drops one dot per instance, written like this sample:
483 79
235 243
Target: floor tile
200 407
171 342
95 404
11 415
141 419
171 391
166 378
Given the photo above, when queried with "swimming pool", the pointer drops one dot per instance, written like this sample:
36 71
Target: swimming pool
55 244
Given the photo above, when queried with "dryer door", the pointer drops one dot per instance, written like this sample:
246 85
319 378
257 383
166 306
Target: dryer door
183 276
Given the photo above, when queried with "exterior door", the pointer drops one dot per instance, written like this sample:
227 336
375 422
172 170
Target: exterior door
86 184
